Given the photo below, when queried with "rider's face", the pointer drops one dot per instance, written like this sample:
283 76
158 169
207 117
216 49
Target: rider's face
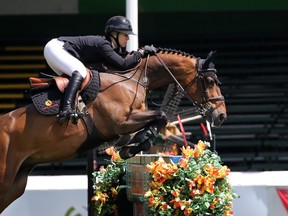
123 39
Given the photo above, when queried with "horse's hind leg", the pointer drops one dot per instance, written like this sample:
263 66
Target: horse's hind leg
17 189
3 155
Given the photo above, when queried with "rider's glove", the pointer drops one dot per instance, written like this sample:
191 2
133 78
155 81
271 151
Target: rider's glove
147 50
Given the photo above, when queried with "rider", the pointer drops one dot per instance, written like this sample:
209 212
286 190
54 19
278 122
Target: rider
69 55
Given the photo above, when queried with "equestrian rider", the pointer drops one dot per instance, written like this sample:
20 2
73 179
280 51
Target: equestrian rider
70 54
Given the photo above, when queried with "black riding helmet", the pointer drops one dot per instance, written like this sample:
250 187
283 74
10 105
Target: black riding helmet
118 24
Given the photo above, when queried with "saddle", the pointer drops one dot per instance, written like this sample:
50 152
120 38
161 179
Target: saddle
48 93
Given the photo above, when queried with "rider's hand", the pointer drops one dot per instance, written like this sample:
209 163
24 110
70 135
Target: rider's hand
147 50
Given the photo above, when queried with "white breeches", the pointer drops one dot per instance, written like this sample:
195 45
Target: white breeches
61 61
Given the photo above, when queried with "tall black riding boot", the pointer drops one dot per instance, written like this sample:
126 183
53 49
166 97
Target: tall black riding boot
68 108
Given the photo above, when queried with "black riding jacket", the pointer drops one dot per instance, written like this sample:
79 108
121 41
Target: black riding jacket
93 48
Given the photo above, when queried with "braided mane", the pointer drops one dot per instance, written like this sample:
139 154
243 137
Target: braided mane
174 51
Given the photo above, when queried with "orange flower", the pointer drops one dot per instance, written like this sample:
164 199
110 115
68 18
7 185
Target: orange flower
161 171
110 150
228 213
188 211
209 185
183 163
152 202
165 206
217 172
114 155
177 202
212 205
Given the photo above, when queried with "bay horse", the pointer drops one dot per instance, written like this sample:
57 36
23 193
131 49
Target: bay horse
29 138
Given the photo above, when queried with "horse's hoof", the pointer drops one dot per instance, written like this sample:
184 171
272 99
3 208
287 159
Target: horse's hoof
125 153
123 140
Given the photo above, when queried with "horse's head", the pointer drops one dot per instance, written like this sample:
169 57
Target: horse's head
196 76
211 102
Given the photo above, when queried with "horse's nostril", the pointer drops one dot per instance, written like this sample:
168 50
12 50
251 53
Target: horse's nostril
222 117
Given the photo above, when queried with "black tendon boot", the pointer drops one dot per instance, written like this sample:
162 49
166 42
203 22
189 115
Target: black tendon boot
68 108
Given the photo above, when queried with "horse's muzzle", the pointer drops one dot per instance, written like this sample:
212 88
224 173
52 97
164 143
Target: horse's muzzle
217 120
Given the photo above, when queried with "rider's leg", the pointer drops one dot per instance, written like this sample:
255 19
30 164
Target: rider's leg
71 90
61 61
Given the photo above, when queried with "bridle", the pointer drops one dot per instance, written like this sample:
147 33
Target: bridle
204 109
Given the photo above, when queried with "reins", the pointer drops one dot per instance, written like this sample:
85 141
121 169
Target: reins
204 109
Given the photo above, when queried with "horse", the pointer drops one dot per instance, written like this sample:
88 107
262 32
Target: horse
29 138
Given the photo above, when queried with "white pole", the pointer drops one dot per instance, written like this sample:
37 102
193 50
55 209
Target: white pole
188 119
132 15
208 126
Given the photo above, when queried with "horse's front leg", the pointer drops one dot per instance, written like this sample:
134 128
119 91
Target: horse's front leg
144 138
137 120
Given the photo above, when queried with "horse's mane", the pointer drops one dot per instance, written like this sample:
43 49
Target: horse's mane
169 51
173 51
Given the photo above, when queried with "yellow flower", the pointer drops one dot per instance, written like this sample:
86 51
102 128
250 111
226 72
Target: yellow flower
199 149
187 152
100 197
148 193
114 192
222 172
201 146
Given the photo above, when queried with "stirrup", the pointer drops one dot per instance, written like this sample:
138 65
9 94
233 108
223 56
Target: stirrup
65 116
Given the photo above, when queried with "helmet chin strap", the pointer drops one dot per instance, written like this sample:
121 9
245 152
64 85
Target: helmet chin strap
116 39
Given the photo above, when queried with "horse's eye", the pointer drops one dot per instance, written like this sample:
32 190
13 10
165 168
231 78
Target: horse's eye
210 82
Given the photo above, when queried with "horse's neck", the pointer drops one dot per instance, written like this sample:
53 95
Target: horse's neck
173 67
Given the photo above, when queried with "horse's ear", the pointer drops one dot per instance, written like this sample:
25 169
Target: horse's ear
208 59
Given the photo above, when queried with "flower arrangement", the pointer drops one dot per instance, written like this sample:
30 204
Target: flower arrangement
106 184
196 185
